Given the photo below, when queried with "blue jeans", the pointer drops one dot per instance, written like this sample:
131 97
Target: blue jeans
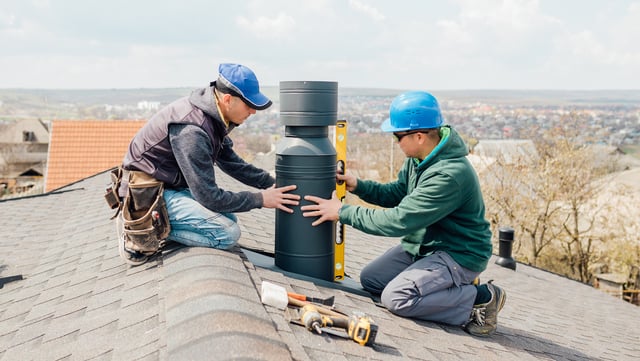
192 224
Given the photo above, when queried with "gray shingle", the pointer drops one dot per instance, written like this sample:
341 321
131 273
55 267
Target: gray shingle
80 301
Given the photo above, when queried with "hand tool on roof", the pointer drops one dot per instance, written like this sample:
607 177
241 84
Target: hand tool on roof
323 301
327 311
341 192
358 327
5 280
277 296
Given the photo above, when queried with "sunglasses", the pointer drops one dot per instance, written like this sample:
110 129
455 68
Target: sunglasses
399 136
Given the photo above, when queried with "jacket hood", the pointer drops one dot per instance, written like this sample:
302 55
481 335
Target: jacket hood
451 146
204 99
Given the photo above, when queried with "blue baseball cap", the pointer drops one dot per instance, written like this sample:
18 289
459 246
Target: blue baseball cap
243 83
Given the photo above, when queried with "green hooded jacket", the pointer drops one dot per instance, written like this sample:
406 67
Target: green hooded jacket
434 205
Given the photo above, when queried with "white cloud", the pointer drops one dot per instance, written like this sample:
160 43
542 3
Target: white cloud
625 34
504 25
585 48
483 44
265 27
445 44
501 15
455 33
7 20
598 57
370 11
138 66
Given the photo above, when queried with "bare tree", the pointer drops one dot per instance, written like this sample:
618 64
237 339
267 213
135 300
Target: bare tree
551 200
518 193
577 177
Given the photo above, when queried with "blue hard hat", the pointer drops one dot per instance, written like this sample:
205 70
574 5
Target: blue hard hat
413 110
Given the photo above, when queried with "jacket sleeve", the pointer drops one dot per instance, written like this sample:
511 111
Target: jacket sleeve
231 163
384 195
195 157
435 197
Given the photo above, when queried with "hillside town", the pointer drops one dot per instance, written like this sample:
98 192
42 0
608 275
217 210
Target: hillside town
58 165
25 120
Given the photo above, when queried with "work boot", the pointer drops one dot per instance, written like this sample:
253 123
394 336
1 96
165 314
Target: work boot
131 257
484 317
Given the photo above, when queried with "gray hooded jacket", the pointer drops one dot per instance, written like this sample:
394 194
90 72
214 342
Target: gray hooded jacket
179 146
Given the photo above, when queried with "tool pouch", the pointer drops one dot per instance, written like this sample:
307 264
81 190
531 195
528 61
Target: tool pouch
144 214
111 193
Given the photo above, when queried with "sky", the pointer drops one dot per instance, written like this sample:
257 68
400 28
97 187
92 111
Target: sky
401 44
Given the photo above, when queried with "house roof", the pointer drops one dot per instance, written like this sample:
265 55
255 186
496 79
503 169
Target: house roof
25 131
512 150
80 148
78 300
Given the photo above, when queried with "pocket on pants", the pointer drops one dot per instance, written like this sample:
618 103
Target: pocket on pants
435 277
433 273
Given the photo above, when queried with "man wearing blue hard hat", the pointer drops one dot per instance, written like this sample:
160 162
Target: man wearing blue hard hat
436 206
174 154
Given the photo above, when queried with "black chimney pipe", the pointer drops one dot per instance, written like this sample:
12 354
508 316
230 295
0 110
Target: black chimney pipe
306 157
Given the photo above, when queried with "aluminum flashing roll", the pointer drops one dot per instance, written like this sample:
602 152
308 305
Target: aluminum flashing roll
306 157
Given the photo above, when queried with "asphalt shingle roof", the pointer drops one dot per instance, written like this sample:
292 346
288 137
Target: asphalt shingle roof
79 301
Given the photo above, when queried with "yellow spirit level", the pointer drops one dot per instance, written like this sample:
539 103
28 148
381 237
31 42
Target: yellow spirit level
341 192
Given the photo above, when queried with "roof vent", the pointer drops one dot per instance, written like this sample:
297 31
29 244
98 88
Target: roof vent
505 236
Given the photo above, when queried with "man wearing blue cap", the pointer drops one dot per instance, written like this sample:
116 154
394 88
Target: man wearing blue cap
436 206
179 147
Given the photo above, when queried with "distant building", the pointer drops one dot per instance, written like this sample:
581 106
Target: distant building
23 154
511 150
146 105
32 131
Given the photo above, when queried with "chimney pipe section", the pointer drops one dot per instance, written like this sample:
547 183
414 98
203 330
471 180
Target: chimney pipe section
306 157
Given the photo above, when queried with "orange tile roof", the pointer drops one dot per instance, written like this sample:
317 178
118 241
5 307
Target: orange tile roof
81 148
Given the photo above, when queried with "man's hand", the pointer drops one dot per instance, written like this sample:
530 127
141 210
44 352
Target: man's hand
279 197
350 180
326 209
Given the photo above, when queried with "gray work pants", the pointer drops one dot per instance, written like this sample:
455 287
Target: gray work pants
433 288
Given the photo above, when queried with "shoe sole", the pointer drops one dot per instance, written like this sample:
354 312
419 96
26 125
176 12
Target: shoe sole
123 252
125 256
